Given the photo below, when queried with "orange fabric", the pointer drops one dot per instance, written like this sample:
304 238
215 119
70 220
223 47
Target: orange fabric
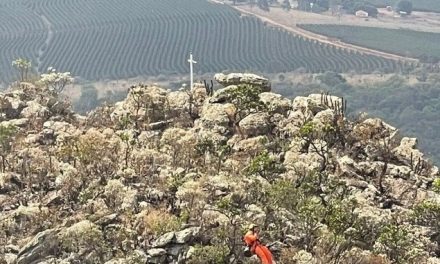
262 252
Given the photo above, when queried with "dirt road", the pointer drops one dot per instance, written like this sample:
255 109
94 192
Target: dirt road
323 39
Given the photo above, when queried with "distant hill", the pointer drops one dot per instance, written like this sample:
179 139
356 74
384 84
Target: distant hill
121 39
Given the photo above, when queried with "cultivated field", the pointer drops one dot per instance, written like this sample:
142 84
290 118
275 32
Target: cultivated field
419 5
402 42
115 39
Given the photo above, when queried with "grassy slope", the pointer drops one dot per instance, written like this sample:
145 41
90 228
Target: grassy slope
398 41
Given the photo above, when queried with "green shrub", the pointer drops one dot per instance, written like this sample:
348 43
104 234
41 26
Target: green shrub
427 213
209 255
265 166
396 242
159 222
436 185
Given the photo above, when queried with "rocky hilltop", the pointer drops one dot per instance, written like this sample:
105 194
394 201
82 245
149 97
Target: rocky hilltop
176 176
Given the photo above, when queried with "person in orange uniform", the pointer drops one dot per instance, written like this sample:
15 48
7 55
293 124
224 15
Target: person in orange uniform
252 240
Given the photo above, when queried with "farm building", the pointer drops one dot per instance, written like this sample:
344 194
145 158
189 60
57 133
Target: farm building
361 13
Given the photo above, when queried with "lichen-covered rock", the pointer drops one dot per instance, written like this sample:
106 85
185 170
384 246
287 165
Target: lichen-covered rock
144 102
9 182
13 107
243 78
407 151
214 217
163 240
61 130
255 214
304 257
275 102
41 246
222 95
217 114
157 256
251 146
374 128
255 125
20 123
324 119
34 110
314 103
186 235
178 100
10 258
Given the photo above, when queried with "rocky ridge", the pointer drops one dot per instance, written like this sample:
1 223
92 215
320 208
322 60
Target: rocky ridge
176 176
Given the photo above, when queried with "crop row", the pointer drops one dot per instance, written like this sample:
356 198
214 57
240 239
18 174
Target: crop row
17 21
15 47
398 41
120 39
219 42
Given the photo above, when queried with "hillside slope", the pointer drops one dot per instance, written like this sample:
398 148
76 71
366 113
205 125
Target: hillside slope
175 177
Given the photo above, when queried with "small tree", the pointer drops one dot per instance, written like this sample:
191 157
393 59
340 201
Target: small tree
404 6
88 99
265 166
128 142
246 99
22 65
56 81
6 137
286 5
395 241
263 4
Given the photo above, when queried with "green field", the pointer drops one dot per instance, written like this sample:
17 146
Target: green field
418 5
398 41
116 39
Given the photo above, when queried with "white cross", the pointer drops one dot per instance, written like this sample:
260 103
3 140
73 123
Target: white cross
191 62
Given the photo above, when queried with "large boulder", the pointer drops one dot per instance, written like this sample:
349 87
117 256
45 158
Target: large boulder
13 106
216 118
250 146
178 100
324 118
407 151
143 102
10 258
212 216
157 256
20 123
315 103
222 95
34 109
163 240
59 130
187 235
243 78
255 124
374 129
9 182
276 103
41 246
